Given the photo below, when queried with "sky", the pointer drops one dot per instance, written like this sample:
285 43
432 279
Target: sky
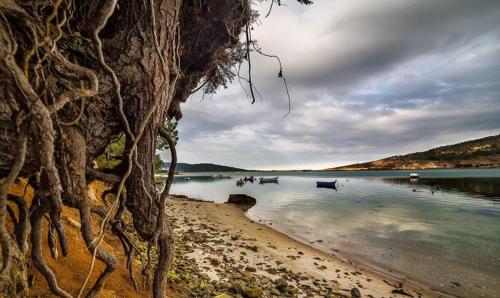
367 79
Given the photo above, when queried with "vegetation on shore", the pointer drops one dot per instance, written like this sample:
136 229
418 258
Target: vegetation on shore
479 153
202 167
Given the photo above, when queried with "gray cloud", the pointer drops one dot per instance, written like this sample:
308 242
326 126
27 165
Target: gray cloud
367 78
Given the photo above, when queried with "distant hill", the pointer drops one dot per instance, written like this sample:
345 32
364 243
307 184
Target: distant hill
201 167
480 153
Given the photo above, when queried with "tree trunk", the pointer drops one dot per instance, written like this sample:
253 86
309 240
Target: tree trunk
74 75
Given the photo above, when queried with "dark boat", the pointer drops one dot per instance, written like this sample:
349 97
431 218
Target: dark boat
251 178
326 184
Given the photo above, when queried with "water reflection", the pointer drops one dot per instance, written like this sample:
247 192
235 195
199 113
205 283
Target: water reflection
485 188
424 228
197 178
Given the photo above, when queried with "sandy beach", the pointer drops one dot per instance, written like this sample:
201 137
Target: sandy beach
238 257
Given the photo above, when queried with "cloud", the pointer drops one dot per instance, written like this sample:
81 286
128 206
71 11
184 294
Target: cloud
367 79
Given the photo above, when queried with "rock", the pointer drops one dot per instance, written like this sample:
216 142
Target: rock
254 293
252 248
355 293
281 284
223 296
243 201
180 197
214 262
239 287
250 269
400 291
275 292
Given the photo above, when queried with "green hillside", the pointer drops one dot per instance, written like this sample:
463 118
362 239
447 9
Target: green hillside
202 167
479 153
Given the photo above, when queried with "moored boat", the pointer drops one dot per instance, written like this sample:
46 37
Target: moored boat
251 178
327 184
220 177
269 180
414 176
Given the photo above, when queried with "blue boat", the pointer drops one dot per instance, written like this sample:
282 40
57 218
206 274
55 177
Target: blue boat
327 184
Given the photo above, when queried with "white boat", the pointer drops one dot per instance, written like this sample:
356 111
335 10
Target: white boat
414 176
269 180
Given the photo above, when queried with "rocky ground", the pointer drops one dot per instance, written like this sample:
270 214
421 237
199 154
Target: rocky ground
221 253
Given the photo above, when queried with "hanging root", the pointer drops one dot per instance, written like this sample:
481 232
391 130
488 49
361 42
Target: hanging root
4 188
101 254
163 235
37 213
22 227
63 93
165 248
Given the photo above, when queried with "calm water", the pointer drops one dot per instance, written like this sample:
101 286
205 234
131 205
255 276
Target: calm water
441 230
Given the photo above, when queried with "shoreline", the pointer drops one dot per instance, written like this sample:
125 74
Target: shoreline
272 254
366 265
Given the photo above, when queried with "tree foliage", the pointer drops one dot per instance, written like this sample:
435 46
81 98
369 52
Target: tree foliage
171 127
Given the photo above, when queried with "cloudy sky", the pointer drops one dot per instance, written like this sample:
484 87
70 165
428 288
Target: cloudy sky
368 79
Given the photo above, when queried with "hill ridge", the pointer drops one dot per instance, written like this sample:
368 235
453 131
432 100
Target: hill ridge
476 153
202 167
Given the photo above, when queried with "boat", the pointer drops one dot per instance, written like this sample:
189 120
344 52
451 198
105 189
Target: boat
187 178
268 180
414 176
220 177
240 182
327 184
251 178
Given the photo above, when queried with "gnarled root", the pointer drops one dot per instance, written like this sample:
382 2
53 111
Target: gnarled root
101 254
37 213
165 249
22 227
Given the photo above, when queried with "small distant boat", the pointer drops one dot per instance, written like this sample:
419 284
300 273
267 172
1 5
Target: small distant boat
269 180
327 184
240 182
414 176
251 178
187 178
220 177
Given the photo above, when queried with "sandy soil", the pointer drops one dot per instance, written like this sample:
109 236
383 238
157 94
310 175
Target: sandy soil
71 270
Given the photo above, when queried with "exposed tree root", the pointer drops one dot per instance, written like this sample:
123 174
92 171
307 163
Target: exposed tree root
37 213
74 75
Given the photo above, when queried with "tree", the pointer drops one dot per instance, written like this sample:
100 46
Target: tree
158 162
74 76
170 127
